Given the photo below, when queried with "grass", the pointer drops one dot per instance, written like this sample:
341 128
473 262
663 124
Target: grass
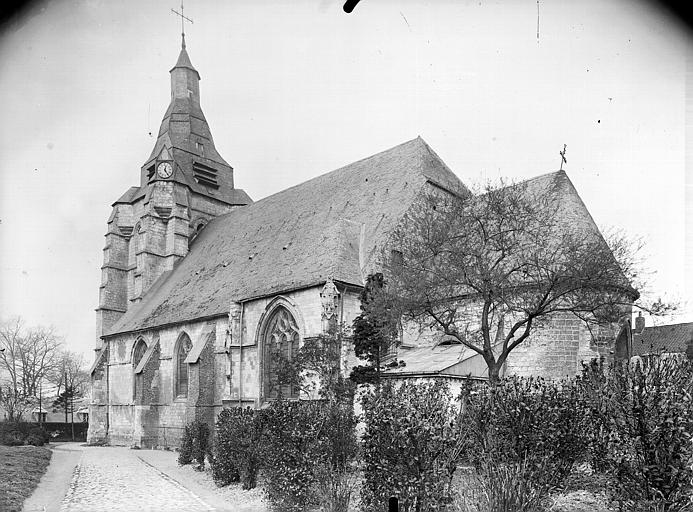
21 468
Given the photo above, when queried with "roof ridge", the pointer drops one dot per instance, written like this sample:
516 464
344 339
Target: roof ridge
542 176
328 173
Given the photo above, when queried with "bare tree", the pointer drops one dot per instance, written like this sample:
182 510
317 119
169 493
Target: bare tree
10 348
27 356
14 402
69 372
488 269
40 355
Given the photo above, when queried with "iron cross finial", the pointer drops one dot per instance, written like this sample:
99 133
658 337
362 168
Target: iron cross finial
563 160
183 18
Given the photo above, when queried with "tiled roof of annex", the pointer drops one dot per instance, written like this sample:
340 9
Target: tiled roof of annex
662 339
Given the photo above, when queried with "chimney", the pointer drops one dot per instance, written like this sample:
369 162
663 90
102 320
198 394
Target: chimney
639 323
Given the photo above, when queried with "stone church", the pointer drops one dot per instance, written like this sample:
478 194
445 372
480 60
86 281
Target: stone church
198 281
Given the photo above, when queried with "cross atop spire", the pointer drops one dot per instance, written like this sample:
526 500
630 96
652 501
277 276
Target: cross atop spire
183 19
562 153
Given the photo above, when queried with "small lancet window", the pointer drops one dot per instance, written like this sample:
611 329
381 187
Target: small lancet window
138 352
184 347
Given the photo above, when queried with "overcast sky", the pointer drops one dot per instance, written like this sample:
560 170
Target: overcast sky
295 89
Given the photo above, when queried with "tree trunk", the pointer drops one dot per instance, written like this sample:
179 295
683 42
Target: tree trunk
494 373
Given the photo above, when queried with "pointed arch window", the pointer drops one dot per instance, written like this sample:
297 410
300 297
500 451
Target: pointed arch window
281 342
184 346
138 351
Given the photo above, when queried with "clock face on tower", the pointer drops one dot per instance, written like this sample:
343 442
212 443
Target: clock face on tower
164 170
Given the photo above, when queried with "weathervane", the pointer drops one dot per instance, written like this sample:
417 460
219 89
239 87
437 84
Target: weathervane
182 21
563 160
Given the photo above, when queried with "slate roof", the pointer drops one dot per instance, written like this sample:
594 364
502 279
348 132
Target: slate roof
185 133
572 212
184 61
662 339
328 227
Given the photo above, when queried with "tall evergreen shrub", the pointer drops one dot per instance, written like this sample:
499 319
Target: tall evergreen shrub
195 444
528 422
408 447
646 410
308 447
238 447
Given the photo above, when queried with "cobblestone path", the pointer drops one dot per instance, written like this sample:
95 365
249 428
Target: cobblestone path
116 479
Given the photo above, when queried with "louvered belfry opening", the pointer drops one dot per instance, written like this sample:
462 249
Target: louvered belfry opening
205 175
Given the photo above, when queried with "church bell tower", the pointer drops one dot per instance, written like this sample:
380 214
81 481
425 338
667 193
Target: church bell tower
183 184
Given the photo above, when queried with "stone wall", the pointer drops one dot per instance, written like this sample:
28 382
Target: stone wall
559 347
143 408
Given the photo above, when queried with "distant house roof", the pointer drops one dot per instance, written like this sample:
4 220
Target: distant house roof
662 339
329 227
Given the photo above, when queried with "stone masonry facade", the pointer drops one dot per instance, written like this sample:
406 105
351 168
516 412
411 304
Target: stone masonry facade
139 406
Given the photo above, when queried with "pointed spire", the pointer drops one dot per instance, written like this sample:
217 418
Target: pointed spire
183 40
184 61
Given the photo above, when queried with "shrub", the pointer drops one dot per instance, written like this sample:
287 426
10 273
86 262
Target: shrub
307 444
35 440
195 444
13 438
648 410
40 433
525 423
292 432
185 454
336 474
593 387
237 447
14 433
408 446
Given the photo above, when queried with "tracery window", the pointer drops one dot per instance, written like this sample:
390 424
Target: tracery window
184 347
281 339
